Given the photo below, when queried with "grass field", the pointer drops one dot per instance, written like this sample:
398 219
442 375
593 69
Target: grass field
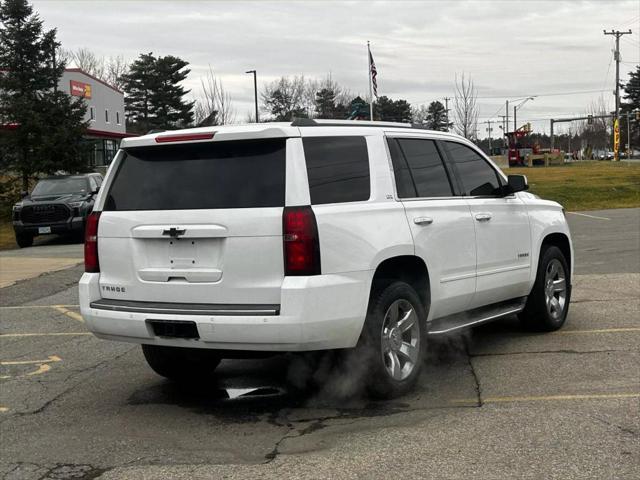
586 185
7 239
577 186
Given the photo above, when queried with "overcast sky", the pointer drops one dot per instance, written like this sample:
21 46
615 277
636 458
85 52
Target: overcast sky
510 49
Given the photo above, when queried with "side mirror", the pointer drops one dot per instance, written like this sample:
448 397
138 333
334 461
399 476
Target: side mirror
24 193
516 183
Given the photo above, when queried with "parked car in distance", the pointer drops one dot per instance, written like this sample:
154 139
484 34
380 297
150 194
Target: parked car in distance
363 237
58 204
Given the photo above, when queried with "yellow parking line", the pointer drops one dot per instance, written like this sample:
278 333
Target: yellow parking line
599 330
21 307
52 358
550 398
68 313
56 334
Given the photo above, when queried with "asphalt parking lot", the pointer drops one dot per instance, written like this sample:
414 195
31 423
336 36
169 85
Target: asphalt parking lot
496 402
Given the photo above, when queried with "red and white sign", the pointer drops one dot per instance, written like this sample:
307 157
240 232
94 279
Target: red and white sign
80 89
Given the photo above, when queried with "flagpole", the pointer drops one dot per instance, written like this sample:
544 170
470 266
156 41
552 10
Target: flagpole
370 85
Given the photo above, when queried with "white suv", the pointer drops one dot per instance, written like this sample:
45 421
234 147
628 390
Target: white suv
315 235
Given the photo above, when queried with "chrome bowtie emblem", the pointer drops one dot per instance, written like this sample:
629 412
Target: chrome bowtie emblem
174 232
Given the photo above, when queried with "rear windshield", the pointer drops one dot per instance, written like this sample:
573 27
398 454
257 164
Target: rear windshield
238 174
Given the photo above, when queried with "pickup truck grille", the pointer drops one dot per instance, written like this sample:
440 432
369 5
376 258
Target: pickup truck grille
46 213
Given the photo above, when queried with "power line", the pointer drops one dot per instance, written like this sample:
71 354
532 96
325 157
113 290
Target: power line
606 77
556 94
635 43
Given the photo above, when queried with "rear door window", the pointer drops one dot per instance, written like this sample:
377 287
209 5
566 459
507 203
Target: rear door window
337 169
477 176
426 168
235 174
404 181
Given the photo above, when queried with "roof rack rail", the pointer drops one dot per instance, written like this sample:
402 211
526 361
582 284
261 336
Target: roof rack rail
310 122
304 122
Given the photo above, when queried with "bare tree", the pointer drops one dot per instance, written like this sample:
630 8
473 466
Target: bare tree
88 62
115 68
598 135
465 108
285 98
109 70
419 114
63 56
214 107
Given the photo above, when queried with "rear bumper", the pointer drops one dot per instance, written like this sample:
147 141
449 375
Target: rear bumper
316 313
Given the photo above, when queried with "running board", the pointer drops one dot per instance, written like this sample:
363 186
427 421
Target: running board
475 317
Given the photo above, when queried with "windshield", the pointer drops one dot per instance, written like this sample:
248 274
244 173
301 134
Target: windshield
61 186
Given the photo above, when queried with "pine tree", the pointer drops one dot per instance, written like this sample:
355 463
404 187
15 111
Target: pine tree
437 117
42 127
167 103
138 84
325 103
389 110
154 94
632 91
631 105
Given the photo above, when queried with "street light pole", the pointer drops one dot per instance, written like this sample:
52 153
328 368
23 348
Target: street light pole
516 108
255 91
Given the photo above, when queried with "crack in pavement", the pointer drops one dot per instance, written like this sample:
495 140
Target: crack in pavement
474 374
619 427
71 470
590 300
537 352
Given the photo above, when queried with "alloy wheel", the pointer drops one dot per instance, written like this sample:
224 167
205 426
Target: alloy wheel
555 289
400 339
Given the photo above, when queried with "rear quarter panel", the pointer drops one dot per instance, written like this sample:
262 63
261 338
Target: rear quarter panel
358 236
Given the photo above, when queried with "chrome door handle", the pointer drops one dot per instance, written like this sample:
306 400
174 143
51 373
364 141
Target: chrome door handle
423 221
483 217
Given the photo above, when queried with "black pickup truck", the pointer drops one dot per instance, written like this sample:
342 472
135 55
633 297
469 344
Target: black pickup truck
58 204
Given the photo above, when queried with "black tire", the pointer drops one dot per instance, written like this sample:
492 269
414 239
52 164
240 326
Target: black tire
181 364
24 240
372 350
536 314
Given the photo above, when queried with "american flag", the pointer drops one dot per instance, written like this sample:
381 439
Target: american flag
374 74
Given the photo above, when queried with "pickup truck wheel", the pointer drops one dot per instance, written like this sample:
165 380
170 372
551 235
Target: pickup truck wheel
181 364
394 340
548 303
24 240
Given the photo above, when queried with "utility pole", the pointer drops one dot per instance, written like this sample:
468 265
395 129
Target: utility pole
255 91
504 128
617 34
489 130
446 110
506 111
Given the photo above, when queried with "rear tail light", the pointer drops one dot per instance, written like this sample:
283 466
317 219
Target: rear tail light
301 245
91 263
